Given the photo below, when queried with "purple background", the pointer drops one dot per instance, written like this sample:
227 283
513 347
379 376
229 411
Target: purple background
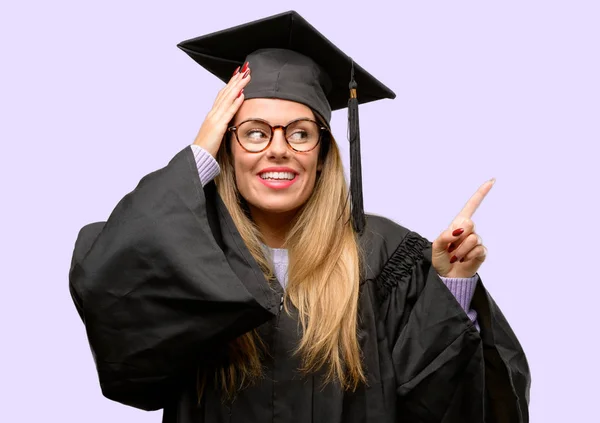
96 95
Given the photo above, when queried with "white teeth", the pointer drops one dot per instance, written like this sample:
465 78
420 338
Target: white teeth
278 175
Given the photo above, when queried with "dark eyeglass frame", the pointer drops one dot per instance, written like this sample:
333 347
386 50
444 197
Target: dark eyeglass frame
322 129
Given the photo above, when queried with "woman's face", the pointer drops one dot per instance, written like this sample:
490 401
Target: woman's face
263 190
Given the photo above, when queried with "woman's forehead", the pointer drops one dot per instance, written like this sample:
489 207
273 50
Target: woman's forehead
273 110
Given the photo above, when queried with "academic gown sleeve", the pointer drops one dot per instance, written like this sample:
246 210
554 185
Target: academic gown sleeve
162 283
446 371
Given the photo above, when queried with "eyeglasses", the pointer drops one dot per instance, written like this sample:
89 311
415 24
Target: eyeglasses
255 135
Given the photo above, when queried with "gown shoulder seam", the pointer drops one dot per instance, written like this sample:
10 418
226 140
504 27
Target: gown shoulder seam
400 264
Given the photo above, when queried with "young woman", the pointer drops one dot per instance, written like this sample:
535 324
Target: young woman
237 284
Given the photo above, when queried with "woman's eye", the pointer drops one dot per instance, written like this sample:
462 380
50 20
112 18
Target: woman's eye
298 136
256 135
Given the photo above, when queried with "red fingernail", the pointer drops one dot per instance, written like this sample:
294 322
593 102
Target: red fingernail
458 232
451 248
245 67
453 259
246 74
236 71
241 91
462 259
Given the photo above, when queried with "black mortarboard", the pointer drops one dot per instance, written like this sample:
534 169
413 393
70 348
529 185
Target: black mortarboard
291 60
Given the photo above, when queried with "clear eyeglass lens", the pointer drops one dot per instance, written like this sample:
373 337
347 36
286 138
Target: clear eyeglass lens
255 135
303 135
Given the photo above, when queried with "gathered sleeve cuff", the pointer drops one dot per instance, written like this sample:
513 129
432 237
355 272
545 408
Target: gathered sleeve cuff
208 168
463 290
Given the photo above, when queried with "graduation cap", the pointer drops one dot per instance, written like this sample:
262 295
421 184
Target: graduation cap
291 60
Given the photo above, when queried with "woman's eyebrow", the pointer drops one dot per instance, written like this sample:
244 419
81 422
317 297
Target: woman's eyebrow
269 122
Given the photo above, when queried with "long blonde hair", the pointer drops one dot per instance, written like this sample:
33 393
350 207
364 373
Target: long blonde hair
323 278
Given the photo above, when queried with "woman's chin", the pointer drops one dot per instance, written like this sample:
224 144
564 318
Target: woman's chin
275 207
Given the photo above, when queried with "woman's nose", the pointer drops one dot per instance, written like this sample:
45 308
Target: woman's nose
278 145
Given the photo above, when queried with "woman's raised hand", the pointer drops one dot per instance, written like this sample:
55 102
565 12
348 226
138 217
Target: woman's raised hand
226 105
459 252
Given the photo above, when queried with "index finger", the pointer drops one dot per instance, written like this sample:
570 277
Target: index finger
477 198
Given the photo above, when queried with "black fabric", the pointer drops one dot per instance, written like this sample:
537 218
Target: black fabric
135 280
166 282
286 74
358 212
289 59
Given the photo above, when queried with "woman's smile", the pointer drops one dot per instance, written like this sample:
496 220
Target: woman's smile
278 177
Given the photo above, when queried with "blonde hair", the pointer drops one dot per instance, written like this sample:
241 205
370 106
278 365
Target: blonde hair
323 279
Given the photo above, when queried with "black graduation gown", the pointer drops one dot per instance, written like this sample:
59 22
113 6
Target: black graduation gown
166 281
